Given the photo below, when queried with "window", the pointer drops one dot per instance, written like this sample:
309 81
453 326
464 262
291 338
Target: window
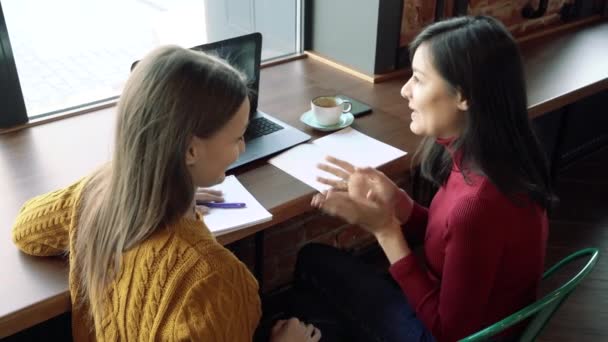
72 53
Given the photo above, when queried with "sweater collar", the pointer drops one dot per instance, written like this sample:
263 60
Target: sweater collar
448 144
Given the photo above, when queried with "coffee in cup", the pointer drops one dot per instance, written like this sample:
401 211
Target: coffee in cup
328 109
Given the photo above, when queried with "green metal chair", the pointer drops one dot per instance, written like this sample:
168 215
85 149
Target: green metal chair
542 309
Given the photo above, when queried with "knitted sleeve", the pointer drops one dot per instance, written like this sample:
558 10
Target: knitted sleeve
224 306
42 226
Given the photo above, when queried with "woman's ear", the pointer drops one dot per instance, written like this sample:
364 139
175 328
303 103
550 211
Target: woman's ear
194 151
462 103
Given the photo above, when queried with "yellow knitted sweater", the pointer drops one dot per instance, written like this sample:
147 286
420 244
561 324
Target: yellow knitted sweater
180 284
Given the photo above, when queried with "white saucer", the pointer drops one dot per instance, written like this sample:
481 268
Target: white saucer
346 119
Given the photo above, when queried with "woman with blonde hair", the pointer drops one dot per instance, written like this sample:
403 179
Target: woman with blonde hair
143 265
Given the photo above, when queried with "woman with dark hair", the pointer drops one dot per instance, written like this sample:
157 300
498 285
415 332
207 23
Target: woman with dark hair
485 232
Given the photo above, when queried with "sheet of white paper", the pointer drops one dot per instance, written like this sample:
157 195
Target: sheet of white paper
347 144
221 221
301 162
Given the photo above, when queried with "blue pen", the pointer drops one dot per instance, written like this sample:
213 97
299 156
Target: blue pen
221 205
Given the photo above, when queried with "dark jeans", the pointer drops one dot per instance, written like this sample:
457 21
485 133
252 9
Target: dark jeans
350 300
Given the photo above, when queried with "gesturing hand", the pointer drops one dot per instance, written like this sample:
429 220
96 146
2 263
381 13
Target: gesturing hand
371 216
366 182
368 198
347 179
339 168
359 182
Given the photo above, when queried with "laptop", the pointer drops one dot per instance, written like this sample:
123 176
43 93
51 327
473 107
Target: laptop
265 134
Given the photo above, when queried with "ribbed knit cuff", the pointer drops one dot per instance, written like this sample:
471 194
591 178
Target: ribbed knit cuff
418 216
403 267
412 279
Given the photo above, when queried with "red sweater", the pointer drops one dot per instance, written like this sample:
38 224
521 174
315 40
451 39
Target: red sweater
484 257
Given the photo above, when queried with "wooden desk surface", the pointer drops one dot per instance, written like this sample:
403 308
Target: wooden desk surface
566 67
43 158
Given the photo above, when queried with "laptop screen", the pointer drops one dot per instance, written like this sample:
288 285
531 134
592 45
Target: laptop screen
244 53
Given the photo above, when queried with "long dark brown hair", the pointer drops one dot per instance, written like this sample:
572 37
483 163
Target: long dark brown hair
478 57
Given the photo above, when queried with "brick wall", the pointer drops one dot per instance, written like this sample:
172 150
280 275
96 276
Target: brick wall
509 12
420 13
282 242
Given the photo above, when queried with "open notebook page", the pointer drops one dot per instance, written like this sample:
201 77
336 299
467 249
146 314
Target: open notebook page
221 221
347 144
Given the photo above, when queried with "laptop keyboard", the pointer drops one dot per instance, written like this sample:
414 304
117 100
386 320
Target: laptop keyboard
260 126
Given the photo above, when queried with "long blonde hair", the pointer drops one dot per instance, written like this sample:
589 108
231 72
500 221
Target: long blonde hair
172 95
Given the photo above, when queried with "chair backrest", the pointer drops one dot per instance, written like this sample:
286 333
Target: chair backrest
542 309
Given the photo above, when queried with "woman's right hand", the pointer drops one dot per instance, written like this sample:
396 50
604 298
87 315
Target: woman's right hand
384 191
356 181
294 330
369 183
381 189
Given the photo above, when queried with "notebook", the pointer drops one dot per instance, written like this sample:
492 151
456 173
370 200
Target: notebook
221 221
347 144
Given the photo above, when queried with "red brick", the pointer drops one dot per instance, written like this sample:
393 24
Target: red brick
477 3
287 262
540 23
327 239
244 250
417 14
271 271
321 224
283 280
278 271
287 240
292 222
285 270
353 236
508 14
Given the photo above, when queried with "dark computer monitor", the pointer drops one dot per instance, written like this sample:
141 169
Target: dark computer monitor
265 134
244 53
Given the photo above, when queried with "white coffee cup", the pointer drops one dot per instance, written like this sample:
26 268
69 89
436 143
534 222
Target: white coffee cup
328 109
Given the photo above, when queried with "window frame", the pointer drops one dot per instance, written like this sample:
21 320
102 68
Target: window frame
12 104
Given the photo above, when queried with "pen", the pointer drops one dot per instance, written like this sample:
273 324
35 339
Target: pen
221 205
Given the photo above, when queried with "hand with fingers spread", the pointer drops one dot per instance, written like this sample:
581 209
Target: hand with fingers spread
383 190
294 330
344 171
372 202
357 196
367 183
207 195
371 215
339 168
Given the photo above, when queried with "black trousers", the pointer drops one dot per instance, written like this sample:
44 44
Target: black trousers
349 300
